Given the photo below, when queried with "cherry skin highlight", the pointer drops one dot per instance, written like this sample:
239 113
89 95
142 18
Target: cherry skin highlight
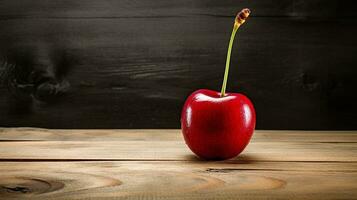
215 127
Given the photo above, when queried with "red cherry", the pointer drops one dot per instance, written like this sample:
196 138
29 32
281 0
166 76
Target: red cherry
215 127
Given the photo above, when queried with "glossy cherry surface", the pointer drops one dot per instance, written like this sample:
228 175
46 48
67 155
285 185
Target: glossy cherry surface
216 127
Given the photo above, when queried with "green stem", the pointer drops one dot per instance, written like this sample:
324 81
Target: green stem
224 85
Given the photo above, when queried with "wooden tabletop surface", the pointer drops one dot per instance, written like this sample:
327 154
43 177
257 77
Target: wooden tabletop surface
156 164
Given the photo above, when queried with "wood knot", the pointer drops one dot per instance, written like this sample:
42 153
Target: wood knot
22 186
17 189
42 77
309 82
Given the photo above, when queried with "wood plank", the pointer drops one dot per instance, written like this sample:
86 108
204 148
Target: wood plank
177 180
162 8
38 134
153 64
172 150
142 8
43 144
65 164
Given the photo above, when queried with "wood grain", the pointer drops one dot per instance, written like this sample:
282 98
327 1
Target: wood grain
171 150
146 8
156 164
169 145
177 180
131 64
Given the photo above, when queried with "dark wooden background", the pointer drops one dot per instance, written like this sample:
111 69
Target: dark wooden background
132 63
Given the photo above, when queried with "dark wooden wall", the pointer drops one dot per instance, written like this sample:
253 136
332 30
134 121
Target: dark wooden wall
132 63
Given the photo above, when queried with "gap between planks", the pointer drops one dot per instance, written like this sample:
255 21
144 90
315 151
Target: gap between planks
40 134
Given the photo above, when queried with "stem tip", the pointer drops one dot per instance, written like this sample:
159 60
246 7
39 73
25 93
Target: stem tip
241 17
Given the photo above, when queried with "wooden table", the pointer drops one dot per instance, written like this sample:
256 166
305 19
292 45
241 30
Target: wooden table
155 164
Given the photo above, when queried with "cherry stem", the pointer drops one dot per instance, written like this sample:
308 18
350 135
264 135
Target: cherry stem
224 85
239 20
